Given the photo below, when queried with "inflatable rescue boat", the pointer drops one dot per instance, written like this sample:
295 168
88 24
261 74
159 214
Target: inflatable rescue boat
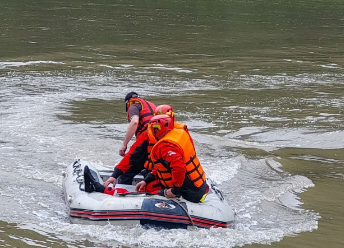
131 208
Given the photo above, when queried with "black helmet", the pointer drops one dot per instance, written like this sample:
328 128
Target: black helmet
128 97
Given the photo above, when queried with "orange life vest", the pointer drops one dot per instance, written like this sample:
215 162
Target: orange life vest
194 170
179 125
183 126
152 141
146 113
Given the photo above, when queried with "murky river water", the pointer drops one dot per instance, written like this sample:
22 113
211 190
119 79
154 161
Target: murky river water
260 85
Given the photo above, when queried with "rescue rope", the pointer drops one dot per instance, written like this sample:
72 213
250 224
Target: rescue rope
176 200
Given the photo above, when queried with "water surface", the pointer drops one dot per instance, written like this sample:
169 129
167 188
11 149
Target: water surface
259 84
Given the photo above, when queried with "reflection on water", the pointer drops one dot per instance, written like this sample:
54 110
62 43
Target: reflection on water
175 38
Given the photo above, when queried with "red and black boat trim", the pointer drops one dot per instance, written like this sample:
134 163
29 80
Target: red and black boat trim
146 216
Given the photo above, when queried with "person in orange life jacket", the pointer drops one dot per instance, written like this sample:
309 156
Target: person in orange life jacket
176 167
138 157
139 112
136 160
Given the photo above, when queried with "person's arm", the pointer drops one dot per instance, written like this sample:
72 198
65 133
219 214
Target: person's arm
150 177
134 122
134 119
113 179
140 187
174 156
110 180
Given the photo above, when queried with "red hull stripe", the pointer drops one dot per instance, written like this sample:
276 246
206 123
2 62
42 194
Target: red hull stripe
140 215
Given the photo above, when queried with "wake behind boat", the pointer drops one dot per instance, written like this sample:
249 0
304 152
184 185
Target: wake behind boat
127 207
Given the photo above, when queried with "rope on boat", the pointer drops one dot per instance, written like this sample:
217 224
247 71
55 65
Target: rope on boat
176 200
216 190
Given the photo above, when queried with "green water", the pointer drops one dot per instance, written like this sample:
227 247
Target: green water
272 63
210 38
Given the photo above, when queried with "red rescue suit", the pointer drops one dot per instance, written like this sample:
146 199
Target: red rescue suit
149 141
179 161
176 166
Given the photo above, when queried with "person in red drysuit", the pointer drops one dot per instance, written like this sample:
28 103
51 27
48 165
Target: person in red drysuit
177 169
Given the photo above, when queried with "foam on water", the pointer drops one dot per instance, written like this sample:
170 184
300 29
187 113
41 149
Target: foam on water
4 64
255 192
301 137
36 146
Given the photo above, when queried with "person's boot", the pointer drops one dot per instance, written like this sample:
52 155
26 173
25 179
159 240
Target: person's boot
90 183
89 180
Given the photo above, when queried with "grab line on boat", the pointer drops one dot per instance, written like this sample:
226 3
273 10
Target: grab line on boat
185 210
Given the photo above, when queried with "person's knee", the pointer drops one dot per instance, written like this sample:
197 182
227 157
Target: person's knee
125 179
